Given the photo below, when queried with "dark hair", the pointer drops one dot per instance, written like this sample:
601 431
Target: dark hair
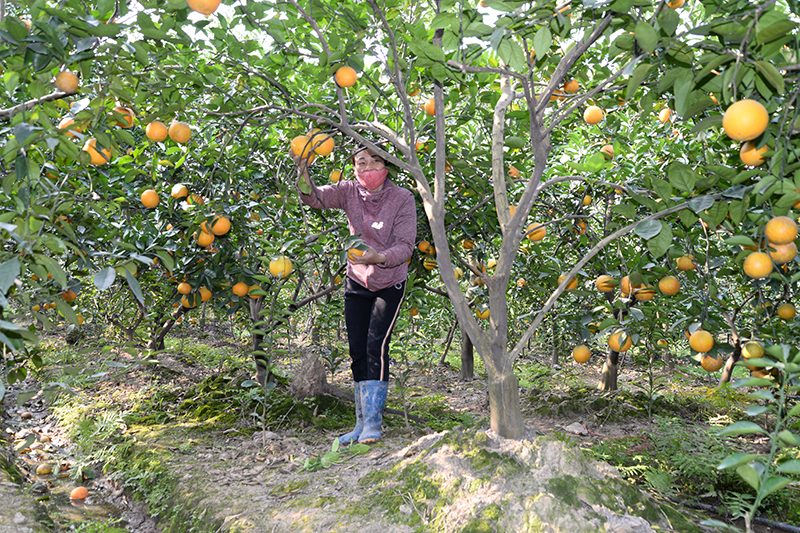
360 148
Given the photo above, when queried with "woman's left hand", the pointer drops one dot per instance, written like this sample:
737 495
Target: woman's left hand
370 257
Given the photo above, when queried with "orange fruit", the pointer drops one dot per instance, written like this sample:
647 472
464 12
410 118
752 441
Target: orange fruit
251 291
781 230
686 263
179 132
156 131
602 283
675 4
513 172
669 285
186 302
745 120
67 82
522 282
587 200
482 311
572 284
335 175
571 87
204 238
644 293
426 247
323 143
607 151
581 354
625 285
580 227
664 115
346 76
701 341
593 114
100 157
127 117
240 289
220 225
430 263
709 363
783 253
69 296
616 337
301 146
752 350
280 267
413 311
458 272
751 156
184 288
536 232
430 107
150 198
662 342
758 265
206 7
786 311
205 294
78 493
468 244
68 123
179 190
352 253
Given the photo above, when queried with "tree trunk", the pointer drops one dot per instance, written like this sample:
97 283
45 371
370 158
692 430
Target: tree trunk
467 358
554 349
157 341
203 316
256 339
608 381
727 372
505 413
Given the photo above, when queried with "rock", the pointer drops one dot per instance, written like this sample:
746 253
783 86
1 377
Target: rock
577 429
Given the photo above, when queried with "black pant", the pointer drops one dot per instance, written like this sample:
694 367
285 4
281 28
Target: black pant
370 317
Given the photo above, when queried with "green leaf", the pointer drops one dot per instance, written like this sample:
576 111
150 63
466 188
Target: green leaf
749 474
753 382
701 203
739 240
133 283
789 438
707 123
794 411
662 188
542 42
105 278
742 428
775 31
789 467
773 484
683 92
8 273
645 35
736 459
648 229
772 75
66 310
682 177
639 73
660 244
669 19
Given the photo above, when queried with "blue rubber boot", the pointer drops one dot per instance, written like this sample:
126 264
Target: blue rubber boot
352 437
373 401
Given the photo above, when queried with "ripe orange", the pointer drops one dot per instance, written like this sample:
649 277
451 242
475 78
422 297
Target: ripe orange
758 265
675 4
686 263
220 225
745 120
413 311
150 198
425 247
430 263
430 107
701 341
587 200
513 172
204 238
468 244
482 311
301 146
184 288
593 114
602 283
322 142
179 132
68 123
616 337
335 175
669 285
644 293
581 354
69 295
662 342
664 115
280 267
98 157
571 87
536 232
752 350
751 156
206 7
522 282
580 227
346 76
572 284
156 131
458 272
352 253
709 363
608 152
205 294
78 493
781 230
188 303
625 285
179 190
251 291
240 289
786 311
127 117
67 82
783 253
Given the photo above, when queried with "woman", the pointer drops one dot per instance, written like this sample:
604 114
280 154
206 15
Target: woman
385 217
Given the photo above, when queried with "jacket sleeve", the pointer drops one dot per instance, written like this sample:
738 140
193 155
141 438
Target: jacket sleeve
325 197
405 231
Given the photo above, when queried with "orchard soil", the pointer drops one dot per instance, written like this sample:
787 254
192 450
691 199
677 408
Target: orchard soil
246 461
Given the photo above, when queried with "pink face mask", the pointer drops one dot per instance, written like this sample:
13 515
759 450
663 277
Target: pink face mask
372 179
